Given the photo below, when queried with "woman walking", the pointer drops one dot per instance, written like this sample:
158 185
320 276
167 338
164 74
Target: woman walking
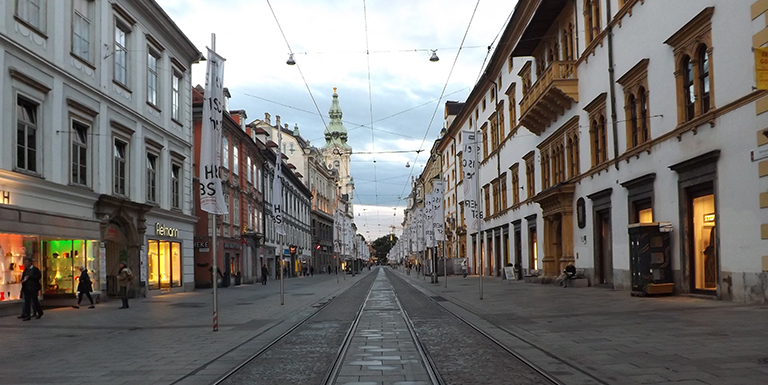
84 287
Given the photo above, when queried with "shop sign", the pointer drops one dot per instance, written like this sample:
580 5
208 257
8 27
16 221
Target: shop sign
759 154
5 197
202 247
761 68
165 231
230 245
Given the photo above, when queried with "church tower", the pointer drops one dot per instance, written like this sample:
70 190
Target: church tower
336 151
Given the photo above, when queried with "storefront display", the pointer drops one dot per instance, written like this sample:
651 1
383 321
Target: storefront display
61 262
164 264
13 249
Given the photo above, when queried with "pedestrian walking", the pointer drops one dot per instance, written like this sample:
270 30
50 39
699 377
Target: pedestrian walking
311 271
124 279
464 269
84 286
264 274
30 286
329 269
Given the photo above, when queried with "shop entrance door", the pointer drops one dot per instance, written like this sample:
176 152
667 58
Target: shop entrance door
117 252
702 239
497 254
227 270
603 248
518 254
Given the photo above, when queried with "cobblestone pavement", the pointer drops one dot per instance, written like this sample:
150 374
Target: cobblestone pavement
382 350
305 356
613 336
165 339
462 355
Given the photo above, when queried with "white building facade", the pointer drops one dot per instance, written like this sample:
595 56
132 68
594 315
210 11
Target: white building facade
595 126
98 169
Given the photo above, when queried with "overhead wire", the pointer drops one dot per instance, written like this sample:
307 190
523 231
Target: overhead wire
370 99
437 105
297 66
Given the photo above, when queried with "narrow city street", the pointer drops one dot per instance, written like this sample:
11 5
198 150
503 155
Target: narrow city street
519 333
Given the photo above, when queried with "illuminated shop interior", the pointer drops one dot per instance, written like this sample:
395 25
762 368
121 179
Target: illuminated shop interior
62 259
704 247
164 264
13 249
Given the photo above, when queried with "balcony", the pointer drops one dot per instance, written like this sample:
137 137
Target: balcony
552 94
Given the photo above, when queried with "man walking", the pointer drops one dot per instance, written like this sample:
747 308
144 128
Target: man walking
124 278
30 286
264 274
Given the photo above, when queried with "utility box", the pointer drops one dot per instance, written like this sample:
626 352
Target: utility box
650 258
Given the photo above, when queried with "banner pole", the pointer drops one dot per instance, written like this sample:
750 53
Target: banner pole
214 267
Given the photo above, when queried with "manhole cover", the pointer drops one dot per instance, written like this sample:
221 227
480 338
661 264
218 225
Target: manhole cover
438 298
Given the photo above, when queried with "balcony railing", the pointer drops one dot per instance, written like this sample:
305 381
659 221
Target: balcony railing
557 72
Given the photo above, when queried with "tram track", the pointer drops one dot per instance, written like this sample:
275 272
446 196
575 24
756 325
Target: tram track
584 376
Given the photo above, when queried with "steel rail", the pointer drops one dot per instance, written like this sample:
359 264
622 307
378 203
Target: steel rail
266 347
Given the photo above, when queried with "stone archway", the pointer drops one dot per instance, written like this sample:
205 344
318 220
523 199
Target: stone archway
123 225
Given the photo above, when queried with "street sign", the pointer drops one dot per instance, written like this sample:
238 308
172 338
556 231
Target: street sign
287 252
760 153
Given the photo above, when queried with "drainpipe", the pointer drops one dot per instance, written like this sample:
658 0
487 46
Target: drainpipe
498 149
612 87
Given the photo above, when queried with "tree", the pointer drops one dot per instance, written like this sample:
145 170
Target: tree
382 245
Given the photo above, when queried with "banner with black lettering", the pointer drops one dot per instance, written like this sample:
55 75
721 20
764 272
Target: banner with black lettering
211 194
472 214
438 212
277 187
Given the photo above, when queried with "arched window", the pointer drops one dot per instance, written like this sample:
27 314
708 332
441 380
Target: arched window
643 104
588 21
603 150
595 131
632 106
689 94
704 78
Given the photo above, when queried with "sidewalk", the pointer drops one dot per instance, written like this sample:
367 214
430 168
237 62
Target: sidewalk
158 340
616 337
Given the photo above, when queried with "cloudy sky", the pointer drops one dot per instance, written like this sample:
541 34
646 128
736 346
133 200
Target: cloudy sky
391 97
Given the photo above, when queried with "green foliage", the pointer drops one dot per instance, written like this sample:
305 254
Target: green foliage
382 245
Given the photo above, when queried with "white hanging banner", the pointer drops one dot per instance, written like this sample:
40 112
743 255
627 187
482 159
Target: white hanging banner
277 188
211 193
438 212
472 214
429 224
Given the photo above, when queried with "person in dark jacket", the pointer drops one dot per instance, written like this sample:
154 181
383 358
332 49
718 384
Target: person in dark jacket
84 287
30 286
264 274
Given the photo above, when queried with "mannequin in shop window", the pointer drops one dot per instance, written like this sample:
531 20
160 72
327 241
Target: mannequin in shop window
710 262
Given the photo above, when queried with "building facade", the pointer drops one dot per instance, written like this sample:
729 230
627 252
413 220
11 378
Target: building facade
593 124
100 170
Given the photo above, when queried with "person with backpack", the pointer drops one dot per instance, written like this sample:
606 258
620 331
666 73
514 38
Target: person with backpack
124 279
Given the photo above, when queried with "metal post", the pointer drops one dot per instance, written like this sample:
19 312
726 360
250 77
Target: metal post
282 261
214 267
445 266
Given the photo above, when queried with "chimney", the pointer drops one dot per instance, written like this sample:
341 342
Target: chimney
277 121
268 118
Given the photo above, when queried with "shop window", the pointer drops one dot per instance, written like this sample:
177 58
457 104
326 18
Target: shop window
79 156
175 186
62 259
120 166
26 135
163 264
32 12
82 26
152 74
13 249
704 238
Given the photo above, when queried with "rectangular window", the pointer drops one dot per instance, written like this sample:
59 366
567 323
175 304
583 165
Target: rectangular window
119 168
226 216
503 192
487 197
26 135
121 54
151 177
79 155
224 152
175 97
32 12
235 162
81 29
152 59
176 186
515 171
248 169
530 177
236 210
